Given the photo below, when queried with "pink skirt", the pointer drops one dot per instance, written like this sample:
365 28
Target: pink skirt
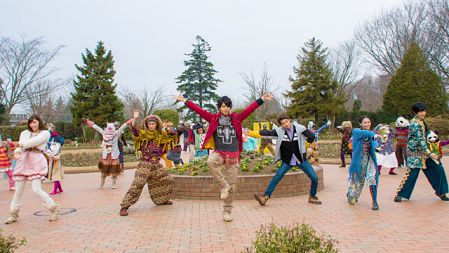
31 165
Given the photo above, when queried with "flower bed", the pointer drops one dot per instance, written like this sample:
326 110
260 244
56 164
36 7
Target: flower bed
193 181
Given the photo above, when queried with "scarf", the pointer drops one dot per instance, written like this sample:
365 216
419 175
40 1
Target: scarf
224 121
109 132
164 140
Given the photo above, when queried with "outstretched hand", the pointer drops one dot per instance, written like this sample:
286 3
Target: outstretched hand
88 122
180 98
131 122
267 97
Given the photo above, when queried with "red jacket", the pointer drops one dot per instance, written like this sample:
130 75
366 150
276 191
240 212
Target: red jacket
212 118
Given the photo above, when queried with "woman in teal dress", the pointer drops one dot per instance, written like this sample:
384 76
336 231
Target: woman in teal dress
363 166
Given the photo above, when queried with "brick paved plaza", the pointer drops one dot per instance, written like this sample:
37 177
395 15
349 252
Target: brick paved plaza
419 225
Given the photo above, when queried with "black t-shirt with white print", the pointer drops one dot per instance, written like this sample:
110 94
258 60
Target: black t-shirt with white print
225 138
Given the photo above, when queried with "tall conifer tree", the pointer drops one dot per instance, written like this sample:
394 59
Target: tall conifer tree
198 81
95 95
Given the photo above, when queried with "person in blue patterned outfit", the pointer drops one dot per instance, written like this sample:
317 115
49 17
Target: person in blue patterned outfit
418 152
363 166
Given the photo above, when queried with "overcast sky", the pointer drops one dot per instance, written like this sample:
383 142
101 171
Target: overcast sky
149 39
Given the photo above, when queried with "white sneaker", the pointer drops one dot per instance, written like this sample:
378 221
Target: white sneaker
227 217
224 193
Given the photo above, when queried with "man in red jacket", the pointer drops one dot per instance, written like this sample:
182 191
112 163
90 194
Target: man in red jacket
224 136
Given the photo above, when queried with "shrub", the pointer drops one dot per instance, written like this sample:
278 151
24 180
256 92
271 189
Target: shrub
10 244
11 131
439 123
299 238
168 115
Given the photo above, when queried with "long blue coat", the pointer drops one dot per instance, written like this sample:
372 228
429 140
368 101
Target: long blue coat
357 148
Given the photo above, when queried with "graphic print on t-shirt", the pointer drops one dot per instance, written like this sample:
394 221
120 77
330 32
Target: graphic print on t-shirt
226 133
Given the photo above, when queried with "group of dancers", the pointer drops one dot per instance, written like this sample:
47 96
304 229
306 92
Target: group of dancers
223 143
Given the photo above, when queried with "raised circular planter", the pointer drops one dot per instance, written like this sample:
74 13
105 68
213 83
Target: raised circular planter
205 187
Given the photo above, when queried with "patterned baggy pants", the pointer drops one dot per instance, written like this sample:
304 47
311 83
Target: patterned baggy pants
160 184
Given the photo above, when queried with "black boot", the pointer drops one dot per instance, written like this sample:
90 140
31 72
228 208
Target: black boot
443 197
397 198
373 191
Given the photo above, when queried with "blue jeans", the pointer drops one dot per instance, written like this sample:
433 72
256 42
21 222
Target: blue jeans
305 166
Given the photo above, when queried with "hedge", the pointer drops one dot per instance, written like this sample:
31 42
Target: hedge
12 132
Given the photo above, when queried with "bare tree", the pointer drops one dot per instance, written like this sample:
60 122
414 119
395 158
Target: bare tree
256 89
41 97
345 61
370 90
22 64
438 30
386 38
145 101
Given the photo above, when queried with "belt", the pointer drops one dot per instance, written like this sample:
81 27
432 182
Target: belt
34 149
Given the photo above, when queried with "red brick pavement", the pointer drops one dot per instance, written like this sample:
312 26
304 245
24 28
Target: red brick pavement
418 225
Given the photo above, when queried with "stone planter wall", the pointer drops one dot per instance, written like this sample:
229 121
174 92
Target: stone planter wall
205 187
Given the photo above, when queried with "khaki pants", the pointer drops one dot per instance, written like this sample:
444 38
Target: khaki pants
214 163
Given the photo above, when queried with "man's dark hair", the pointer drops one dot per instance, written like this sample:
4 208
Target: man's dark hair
282 117
418 107
224 100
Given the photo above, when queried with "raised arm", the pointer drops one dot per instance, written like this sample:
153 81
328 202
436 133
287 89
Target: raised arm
358 133
122 127
328 123
91 124
309 135
265 132
250 109
192 106
444 143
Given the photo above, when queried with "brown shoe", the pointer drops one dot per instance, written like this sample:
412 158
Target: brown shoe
167 203
263 199
123 212
314 200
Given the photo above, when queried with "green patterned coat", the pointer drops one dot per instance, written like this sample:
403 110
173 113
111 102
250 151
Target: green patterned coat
417 148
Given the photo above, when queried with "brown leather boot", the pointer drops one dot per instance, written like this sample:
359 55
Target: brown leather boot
263 199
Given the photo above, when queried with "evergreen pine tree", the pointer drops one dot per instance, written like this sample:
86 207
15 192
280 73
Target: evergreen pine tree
314 91
414 81
95 96
198 81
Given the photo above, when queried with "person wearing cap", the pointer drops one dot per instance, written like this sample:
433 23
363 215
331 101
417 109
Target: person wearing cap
418 154
151 142
224 136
